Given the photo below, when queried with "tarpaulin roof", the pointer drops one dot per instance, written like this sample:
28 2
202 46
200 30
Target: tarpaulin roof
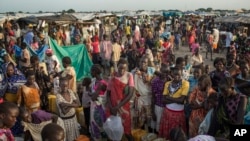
28 20
85 16
59 17
233 19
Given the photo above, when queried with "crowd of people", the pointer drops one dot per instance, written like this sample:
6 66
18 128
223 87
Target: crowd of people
135 75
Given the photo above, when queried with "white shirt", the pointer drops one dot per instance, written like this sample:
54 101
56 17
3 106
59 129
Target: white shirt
229 38
196 60
50 61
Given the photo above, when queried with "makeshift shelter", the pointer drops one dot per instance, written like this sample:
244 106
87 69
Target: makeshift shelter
28 20
59 19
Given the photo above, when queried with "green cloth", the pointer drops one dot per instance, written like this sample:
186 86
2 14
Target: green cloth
79 57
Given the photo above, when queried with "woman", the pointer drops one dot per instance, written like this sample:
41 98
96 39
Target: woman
168 50
97 114
243 79
196 100
28 95
242 82
230 110
67 102
8 113
175 93
231 65
119 92
196 59
13 78
219 72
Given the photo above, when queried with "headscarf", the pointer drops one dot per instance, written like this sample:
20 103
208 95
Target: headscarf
11 84
49 51
202 138
194 47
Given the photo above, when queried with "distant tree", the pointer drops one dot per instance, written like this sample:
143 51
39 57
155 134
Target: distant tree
10 13
209 9
243 9
40 11
63 12
71 11
201 9
27 12
20 11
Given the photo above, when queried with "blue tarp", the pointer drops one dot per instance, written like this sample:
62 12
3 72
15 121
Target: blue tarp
40 53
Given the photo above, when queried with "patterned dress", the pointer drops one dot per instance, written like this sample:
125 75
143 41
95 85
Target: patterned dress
8 89
69 119
97 113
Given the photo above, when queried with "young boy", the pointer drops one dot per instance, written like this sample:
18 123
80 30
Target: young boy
86 100
52 132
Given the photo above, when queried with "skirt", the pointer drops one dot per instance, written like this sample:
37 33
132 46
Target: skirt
170 120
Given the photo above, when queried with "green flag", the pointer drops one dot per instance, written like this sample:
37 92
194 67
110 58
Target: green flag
78 55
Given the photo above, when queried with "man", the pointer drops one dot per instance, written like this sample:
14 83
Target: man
28 37
216 38
116 53
157 96
229 38
210 40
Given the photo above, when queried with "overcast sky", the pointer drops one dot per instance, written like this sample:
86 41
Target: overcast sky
118 5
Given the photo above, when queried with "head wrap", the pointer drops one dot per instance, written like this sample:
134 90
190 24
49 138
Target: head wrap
49 51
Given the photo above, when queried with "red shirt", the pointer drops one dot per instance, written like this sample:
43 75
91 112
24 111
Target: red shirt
96 48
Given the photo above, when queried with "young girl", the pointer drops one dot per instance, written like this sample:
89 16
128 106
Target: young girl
97 114
86 100
8 113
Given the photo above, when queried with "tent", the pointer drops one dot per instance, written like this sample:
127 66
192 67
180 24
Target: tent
79 57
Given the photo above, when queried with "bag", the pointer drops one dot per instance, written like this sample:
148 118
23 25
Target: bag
149 137
113 127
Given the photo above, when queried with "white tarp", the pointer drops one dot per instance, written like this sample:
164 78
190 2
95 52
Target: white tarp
84 16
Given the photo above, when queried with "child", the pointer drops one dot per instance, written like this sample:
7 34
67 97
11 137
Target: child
86 100
52 132
207 69
8 113
177 134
